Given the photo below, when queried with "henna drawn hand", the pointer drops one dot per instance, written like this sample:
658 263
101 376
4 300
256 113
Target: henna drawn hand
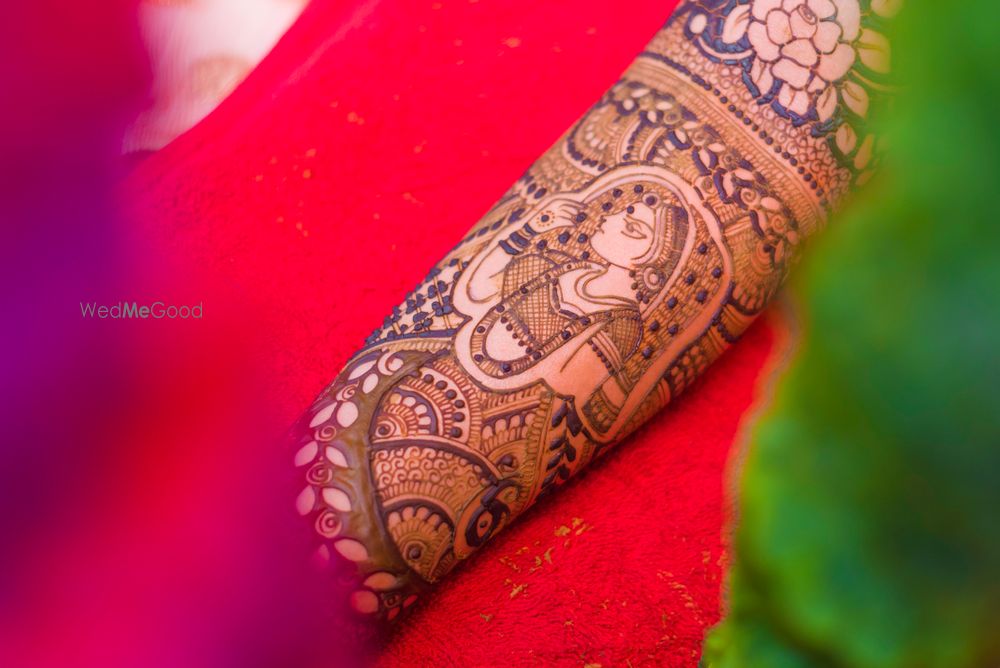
559 212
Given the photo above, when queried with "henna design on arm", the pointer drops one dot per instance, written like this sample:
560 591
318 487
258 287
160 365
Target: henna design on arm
612 273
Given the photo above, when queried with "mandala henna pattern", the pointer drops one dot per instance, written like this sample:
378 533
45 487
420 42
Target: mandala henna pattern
611 274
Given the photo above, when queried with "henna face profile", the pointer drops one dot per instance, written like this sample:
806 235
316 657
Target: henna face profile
609 276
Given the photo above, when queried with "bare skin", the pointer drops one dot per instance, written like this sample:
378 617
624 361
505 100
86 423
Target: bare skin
609 276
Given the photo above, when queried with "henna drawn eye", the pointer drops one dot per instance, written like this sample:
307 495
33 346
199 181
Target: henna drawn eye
484 525
386 427
635 229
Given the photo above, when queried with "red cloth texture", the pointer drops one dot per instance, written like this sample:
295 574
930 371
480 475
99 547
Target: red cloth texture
360 151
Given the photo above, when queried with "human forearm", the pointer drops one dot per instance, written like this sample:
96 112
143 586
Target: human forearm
624 261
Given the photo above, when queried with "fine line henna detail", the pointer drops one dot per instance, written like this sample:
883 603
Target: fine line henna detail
623 262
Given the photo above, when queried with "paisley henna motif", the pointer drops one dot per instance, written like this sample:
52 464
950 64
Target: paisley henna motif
611 274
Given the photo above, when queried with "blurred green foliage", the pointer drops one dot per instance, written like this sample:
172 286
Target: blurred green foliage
869 530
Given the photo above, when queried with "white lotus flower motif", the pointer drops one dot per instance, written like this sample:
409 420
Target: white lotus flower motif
802 47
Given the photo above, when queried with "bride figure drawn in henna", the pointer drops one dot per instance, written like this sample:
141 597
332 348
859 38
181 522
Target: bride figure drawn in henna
568 297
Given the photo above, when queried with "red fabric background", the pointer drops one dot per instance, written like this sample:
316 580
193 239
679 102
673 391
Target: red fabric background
361 149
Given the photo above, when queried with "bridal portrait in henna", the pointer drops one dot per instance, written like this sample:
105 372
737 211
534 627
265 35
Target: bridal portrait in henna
621 264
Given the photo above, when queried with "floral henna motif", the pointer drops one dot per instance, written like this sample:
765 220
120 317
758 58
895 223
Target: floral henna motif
611 274
817 62
797 49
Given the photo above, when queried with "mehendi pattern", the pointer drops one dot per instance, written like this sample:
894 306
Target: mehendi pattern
820 63
601 285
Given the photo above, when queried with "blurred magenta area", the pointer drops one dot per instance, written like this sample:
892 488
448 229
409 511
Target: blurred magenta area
139 461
